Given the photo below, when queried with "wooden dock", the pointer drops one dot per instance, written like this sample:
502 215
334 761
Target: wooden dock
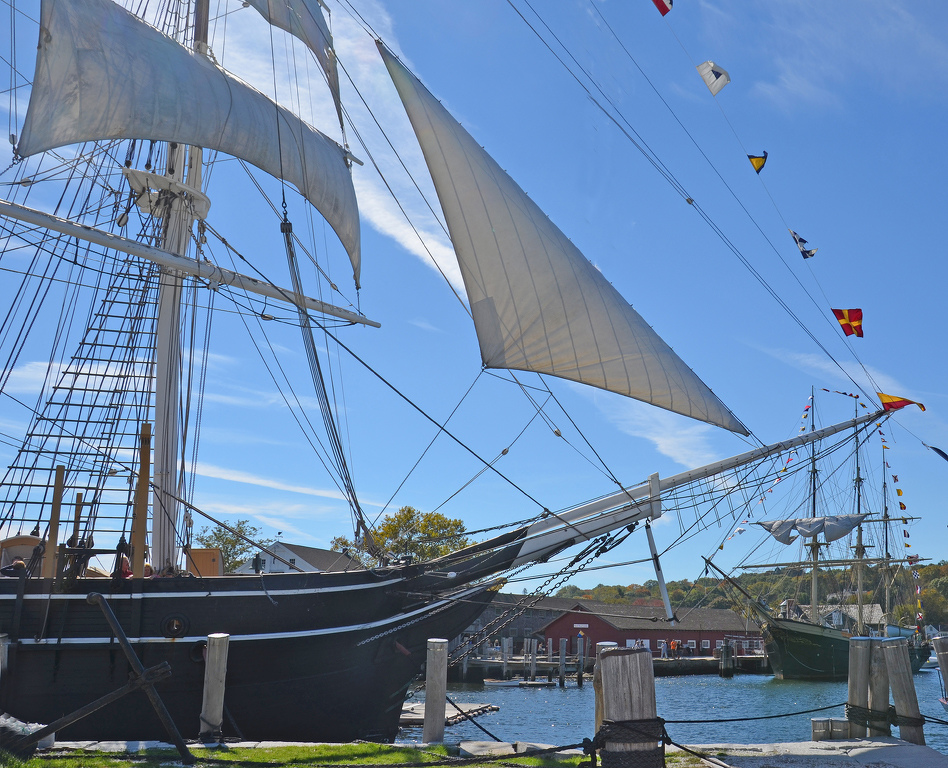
413 715
490 669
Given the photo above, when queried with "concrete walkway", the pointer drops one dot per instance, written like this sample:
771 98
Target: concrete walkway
855 753
876 752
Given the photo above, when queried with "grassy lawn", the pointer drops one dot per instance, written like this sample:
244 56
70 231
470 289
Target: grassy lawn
227 757
312 756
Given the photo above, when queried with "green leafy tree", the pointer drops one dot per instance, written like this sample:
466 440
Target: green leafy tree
234 549
422 535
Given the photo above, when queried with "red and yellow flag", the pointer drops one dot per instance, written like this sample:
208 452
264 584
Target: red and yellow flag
851 320
893 403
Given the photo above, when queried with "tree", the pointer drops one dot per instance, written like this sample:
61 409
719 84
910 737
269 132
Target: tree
408 532
234 549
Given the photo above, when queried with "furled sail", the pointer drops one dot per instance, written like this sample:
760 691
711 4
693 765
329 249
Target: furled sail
537 302
103 73
832 527
304 20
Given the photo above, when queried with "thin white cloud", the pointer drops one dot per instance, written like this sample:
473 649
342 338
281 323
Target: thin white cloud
677 437
817 50
236 476
424 325
842 375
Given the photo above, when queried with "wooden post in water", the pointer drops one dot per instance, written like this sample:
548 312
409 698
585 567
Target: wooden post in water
549 659
503 658
628 693
903 689
212 706
580 661
859 662
535 645
563 642
941 652
597 679
436 689
878 688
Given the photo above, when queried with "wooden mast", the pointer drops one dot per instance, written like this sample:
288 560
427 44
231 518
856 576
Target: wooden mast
179 219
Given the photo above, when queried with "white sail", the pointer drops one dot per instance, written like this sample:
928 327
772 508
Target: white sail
304 20
537 302
103 73
832 527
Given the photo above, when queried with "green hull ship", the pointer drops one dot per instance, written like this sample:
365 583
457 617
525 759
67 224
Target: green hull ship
798 650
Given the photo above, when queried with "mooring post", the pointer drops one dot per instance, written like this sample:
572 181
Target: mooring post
563 642
212 706
503 658
580 661
436 689
628 694
860 651
534 645
549 659
878 689
903 689
941 652
597 679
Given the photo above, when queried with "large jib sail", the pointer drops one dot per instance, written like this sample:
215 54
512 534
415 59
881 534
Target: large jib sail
103 73
538 304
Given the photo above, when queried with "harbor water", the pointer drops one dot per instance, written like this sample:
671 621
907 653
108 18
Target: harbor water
565 715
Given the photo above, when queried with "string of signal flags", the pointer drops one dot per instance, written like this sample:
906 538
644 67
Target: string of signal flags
716 77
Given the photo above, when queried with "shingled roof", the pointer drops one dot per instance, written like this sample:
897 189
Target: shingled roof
635 617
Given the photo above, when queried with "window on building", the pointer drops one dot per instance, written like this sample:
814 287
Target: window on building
292 561
705 644
718 643
692 644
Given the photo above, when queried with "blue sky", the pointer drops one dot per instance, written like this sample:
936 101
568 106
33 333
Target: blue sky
849 100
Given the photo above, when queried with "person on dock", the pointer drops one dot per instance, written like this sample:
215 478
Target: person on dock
664 648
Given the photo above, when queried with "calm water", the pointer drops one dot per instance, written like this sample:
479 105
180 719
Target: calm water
565 715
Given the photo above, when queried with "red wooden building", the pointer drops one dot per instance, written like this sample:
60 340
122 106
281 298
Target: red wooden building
700 630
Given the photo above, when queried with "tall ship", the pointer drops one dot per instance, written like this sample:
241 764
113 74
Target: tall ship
135 153
811 641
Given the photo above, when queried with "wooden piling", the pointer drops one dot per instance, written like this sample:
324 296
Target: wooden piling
941 652
878 688
503 658
903 689
436 690
580 661
215 671
549 659
597 679
628 693
563 642
860 651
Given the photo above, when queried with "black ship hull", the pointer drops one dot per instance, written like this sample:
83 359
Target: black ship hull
801 651
312 657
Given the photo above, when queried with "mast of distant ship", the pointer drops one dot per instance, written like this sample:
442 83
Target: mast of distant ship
814 543
860 549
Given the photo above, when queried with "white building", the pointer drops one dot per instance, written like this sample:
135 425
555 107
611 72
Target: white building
304 558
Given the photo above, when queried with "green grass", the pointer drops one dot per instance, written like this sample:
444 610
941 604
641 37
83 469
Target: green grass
267 757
